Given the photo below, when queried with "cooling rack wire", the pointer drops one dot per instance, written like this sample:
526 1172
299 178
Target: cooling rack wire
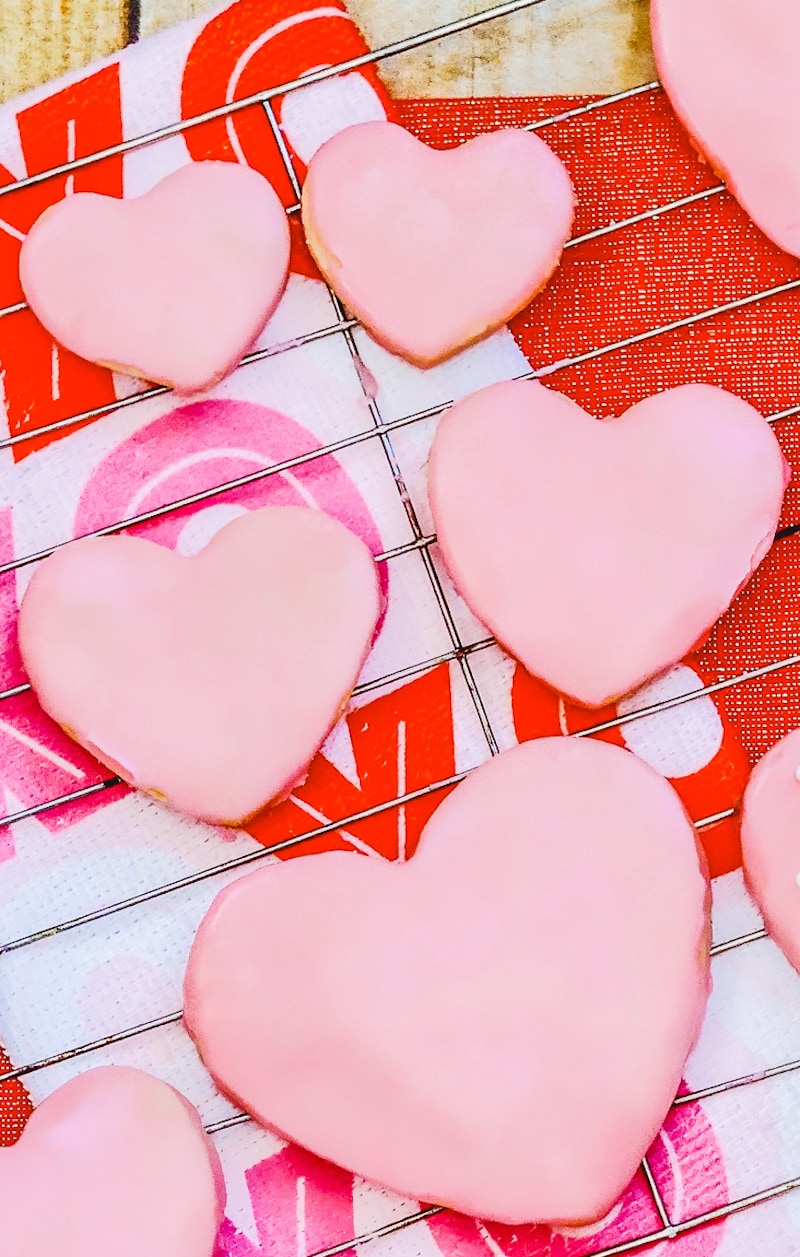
381 432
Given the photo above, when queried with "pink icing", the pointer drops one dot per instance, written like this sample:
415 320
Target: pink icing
433 250
771 842
599 553
730 68
174 285
192 448
38 760
209 681
498 1025
113 1162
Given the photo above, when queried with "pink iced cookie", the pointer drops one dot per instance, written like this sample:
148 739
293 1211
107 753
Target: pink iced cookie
174 285
433 250
771 842
599 553
730 68
114 1162
209 681
499 1025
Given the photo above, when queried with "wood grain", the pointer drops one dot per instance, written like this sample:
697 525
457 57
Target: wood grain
568 46
561 46
156 14
40 39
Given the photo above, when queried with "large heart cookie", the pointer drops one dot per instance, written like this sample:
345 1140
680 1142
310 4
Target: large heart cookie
771 842
499 1025
433 250
208 681
113 1163
599 553
730 68
174 285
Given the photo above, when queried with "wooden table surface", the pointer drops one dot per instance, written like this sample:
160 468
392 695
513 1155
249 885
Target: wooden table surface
562 46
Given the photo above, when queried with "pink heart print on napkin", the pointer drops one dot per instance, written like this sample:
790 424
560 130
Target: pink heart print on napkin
173 285
114 1161
294 1186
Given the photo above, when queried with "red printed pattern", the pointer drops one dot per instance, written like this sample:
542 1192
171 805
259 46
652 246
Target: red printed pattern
44 383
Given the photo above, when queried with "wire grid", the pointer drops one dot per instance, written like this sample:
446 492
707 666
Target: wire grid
459 653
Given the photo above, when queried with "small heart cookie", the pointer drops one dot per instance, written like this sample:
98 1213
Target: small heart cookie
433 250
600 553
730 69
499 1025
114 1162
208 681
174 285
771 842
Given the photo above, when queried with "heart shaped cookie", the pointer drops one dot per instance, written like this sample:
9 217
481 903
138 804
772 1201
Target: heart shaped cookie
600 553
433 250
174 285
500 1025
730 69
771 842
114 1162
208 681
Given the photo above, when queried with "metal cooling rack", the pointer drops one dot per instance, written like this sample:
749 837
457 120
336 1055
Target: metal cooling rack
381 431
